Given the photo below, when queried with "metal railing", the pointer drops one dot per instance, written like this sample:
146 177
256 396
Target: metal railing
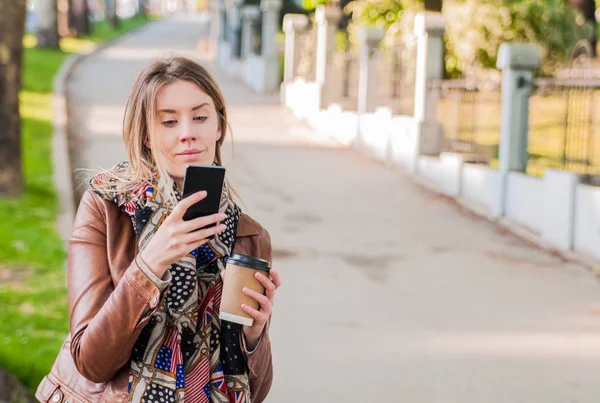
396 70
562 125
470 114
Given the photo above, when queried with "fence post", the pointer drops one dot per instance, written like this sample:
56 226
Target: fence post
224 50
293 24
215 26
327 18
517 62
369 40
236 29
429 29
270 9
249 16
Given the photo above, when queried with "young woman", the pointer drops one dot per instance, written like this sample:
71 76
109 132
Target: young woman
145 285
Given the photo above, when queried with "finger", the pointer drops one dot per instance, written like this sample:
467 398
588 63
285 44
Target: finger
202 234
195 245
186 203
192 225
268 284
263 300
260 317
275 278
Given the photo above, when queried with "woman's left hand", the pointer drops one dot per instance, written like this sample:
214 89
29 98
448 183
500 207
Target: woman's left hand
262 315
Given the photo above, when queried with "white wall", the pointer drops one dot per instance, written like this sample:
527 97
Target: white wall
224 54
524 200
559 208
302 97
443 172
587 220
429 170
481 185
403 142
374 133
336 123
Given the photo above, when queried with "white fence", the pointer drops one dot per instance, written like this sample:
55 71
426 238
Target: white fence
561 211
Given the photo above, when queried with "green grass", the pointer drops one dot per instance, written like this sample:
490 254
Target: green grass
33 294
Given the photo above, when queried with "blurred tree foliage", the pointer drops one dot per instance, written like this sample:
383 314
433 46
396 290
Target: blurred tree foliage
476 28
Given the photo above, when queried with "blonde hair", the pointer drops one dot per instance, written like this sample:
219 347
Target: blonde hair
145 163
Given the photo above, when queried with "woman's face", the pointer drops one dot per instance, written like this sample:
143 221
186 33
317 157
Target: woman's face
186 127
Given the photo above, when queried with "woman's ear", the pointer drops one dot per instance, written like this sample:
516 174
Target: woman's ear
147 143
219 133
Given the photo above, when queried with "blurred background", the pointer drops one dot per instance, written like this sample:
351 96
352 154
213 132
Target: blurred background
428 171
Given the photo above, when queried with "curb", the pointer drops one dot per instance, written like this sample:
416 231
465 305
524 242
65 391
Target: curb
61 156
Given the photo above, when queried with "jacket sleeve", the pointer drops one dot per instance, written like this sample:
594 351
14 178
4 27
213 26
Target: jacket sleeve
260 361
105 318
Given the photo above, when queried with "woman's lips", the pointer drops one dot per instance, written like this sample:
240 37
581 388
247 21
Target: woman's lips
189 155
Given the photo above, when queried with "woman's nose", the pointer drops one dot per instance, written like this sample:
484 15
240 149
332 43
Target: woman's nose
187 133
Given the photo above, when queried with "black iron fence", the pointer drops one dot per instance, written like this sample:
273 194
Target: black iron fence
396 71
562 126
470 114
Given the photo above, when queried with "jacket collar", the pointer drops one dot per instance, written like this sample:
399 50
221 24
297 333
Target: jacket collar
247 226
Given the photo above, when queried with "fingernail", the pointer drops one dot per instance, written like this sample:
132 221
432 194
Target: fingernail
203 192
245 289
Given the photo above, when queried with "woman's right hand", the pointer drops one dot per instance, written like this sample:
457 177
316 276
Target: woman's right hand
175 238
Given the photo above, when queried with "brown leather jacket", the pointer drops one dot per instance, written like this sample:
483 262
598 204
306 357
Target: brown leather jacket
111 300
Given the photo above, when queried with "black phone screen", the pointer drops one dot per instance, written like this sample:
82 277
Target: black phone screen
208 178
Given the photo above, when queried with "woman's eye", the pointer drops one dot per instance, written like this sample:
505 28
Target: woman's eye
169 123
201 118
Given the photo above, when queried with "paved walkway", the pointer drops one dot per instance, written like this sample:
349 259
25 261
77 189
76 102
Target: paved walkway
391 294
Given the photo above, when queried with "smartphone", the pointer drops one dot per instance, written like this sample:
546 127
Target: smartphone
208 178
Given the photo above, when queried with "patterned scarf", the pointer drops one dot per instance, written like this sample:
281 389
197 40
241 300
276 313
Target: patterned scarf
184 353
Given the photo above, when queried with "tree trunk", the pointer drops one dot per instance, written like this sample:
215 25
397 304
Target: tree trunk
588 9
142 8
11 390
12 28
79 17
47 28
63 18
433 5
589 12
111 13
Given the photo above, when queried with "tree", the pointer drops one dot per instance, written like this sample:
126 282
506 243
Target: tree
142 8
111 13
47 28
588 9
12 28
476 29
62 7
480 26
433 5
79 17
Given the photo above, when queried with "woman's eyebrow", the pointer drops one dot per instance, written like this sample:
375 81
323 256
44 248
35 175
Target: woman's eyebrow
199 106
174 111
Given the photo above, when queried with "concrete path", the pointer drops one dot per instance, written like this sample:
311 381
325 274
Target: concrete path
391 293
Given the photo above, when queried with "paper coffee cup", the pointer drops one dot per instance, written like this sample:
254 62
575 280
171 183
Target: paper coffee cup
240 273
